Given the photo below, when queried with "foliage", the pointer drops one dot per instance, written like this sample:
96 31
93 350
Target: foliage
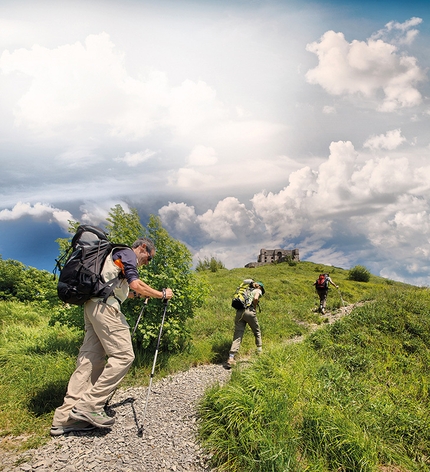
123 227
68 315
211 264
171 267
21 283
359 273
36 361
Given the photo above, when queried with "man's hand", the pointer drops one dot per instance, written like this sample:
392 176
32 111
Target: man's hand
167 293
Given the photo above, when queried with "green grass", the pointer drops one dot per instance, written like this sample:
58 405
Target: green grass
289 301
35 362
352 397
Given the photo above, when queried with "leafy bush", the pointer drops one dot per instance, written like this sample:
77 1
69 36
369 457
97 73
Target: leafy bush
71 316
359 274
26 284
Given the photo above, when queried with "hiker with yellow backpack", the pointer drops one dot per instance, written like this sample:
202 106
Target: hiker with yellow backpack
245 301
321 285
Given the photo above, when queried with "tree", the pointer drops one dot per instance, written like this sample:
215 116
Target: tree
122 227
11 274
171 267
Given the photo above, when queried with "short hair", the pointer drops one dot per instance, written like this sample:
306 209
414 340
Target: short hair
150 246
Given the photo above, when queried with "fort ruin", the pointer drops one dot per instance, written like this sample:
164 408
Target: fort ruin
268 256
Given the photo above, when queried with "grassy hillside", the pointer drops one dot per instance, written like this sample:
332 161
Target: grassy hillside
291 404
289 303
353 397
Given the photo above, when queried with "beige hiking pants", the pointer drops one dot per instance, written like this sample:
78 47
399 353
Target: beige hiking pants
107 333
244 317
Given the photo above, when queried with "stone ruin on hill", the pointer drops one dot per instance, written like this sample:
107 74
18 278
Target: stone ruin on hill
267 256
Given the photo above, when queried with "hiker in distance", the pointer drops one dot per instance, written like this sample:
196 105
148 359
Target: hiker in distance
107 333
246 313
321 285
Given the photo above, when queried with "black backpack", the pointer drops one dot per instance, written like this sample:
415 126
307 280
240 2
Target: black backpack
80 275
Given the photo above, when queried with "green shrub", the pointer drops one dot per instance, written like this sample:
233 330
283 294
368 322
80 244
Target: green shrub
359 274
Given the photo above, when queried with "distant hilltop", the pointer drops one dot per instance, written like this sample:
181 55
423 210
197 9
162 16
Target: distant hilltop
267 256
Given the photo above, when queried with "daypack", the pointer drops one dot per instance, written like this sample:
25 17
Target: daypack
242 296
322 282
80 275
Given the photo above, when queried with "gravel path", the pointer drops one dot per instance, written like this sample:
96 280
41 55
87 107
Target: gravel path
168 442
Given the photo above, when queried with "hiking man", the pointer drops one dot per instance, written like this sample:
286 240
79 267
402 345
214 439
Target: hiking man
246 316
107 333
321 285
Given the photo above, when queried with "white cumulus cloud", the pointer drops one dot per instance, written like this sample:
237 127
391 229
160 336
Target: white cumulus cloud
366 68
179 218
391 140
89 83
40 211
381 202
403 34
229 220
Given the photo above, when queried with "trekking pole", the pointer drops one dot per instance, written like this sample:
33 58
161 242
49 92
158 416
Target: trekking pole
140 315
140 431
340 295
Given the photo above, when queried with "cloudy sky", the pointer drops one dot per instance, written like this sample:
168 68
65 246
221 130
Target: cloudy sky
243 124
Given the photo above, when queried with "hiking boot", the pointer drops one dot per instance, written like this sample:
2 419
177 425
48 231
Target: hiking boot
230 362
76 426
323 311
97 418
259 350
